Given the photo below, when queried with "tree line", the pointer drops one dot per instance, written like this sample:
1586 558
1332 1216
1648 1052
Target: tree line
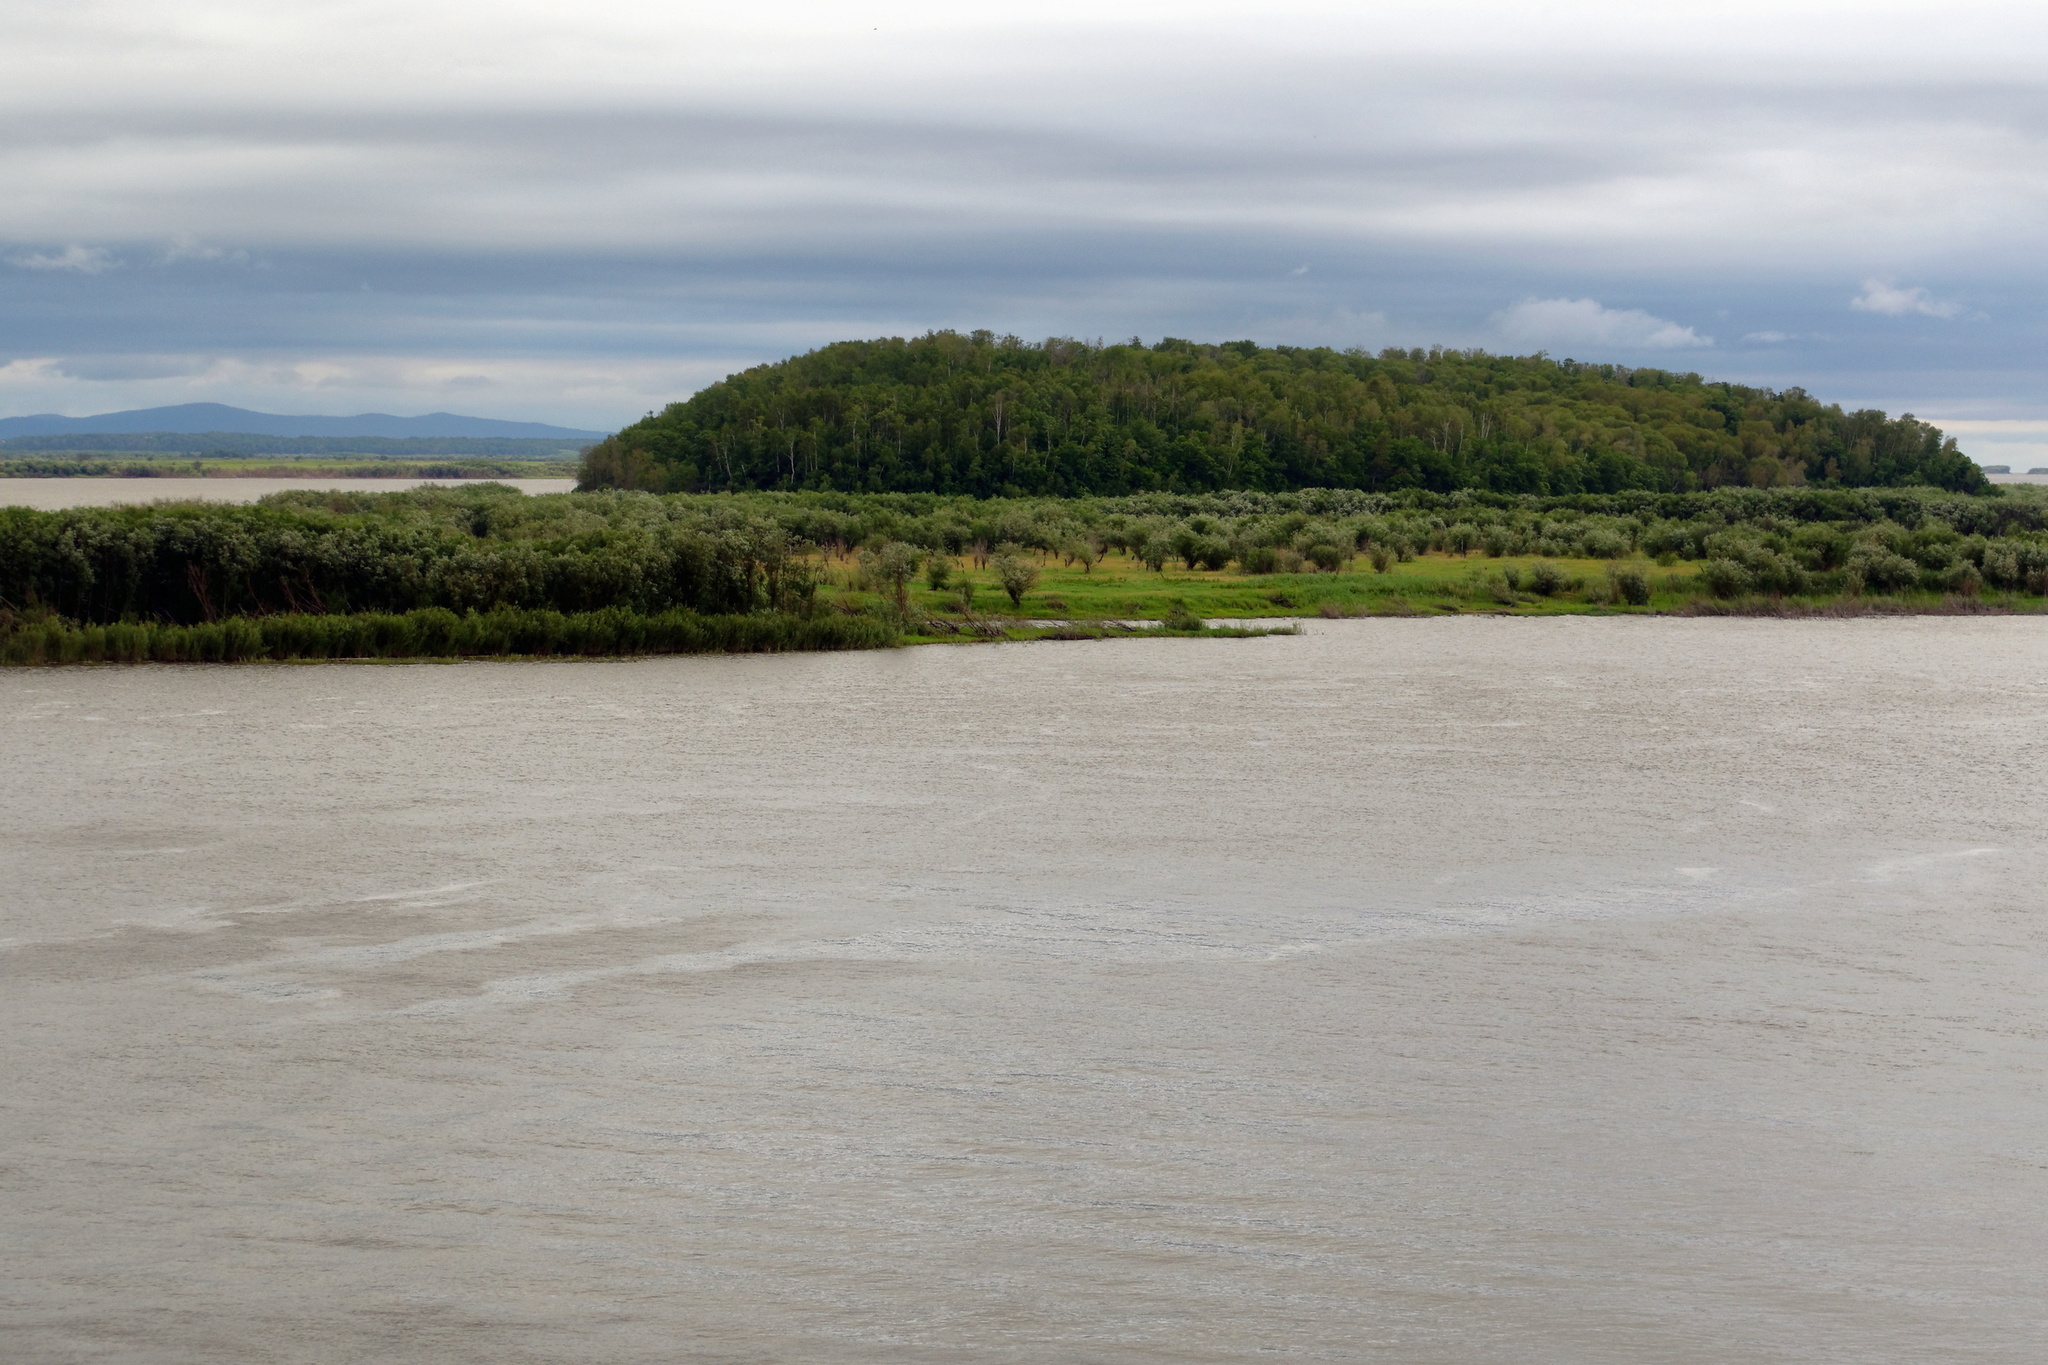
980 415
486 549
339 553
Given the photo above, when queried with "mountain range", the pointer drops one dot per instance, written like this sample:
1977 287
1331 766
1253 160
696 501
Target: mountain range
218 417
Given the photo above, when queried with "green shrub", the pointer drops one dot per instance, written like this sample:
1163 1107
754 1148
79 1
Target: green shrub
1882 571
438 633
1725 578
1017 574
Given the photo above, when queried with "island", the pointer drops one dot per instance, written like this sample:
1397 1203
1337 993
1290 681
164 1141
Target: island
1432 483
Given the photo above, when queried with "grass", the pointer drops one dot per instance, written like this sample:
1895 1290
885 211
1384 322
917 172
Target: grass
1121 589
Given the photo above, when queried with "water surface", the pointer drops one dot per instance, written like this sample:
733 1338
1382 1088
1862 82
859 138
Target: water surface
1485 990
50 494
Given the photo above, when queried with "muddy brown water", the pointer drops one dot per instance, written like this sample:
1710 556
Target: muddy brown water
1486 990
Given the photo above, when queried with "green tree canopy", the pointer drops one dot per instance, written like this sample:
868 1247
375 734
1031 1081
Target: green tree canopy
988 416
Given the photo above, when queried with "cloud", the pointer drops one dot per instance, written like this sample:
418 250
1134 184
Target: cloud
1765 338
186 247
594 391
1566 322
1882 296
86 260
566 185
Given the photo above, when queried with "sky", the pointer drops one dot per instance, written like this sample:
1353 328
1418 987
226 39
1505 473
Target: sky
579 212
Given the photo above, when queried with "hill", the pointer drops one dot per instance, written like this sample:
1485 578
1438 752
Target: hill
220 418
976 414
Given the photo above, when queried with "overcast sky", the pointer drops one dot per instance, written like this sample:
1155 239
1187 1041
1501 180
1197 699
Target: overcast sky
576 212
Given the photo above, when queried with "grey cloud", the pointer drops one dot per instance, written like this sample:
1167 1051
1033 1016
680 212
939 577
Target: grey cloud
1142 180
121 367
85 260
1892 300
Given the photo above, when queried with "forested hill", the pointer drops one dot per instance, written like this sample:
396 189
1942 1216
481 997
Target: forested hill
987 415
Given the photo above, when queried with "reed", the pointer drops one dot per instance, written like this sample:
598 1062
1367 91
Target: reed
436 633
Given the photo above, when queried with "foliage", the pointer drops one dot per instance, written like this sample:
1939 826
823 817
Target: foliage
463 549
584 572
1016 573
435 632
976 414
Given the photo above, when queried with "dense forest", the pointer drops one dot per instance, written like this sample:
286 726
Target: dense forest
993 416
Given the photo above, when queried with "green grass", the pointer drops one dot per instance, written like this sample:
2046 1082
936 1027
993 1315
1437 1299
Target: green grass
1122 589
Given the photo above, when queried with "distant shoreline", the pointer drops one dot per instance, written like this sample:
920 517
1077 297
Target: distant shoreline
373 467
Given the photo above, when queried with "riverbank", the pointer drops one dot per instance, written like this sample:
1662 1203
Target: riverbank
314 467
349 572
56 494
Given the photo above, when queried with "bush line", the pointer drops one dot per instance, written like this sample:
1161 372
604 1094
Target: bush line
436 633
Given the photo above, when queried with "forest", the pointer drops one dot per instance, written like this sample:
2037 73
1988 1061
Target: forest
483 569
986 416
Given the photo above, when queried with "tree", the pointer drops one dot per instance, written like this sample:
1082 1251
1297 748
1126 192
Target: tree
977 414
1017 574
891 568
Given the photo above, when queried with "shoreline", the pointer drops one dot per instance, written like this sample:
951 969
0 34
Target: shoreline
437 636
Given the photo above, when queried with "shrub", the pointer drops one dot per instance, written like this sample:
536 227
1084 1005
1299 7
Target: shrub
437 633
938 572
1963 580
1632 586
1326 557
1775 574
1257 559
1546 579
1725 578
1017 574
2002 568
1882 571
1605 543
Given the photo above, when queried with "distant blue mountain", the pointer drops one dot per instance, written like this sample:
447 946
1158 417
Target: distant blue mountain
209 417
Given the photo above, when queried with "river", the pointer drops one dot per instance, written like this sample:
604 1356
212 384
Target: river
51 494
1566 990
